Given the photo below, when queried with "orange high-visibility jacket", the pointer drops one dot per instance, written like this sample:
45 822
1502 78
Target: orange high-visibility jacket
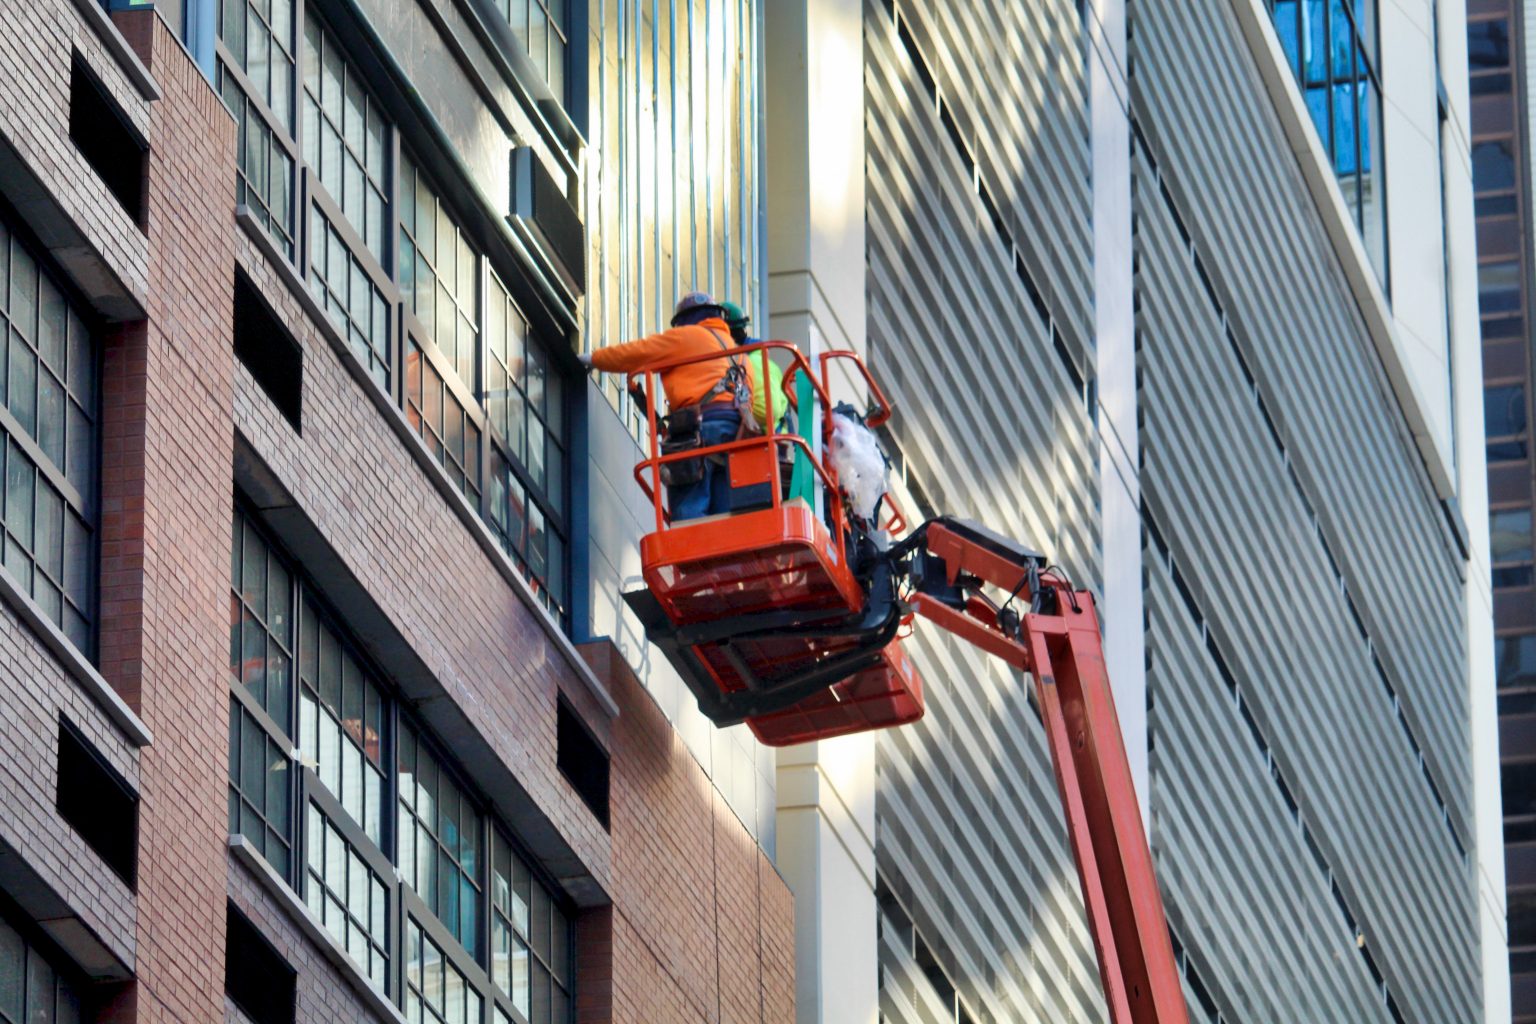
685 385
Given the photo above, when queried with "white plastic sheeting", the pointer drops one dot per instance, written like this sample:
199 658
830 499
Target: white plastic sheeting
859 464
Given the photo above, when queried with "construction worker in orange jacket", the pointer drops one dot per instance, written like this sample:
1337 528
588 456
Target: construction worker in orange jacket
698 328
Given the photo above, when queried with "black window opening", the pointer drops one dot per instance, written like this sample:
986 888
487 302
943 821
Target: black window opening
582 760
267 350
109 144
403 862
97 803
256 977
1331 47
48 440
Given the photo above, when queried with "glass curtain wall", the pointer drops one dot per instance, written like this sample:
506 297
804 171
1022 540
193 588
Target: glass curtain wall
674 166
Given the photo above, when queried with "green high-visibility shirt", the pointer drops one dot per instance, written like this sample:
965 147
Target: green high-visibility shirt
754 361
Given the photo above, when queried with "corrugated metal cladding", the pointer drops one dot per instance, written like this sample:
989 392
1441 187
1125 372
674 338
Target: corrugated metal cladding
1027 131
993 427
1199 101
1247 895
1264 692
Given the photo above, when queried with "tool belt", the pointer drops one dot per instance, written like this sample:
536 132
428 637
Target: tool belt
682 434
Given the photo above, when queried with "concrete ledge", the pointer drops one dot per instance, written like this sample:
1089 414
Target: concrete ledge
77 256
246 856
53 914
97 688
91 13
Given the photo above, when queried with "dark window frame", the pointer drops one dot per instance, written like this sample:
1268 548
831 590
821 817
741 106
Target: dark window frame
230 81
106 156
393 333
91 817
276 361
66 973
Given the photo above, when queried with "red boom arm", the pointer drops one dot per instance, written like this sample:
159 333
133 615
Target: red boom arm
1060 647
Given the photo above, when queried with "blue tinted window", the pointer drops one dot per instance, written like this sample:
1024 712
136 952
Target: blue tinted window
1509 535
1344 114
1517 660
1498 286
1511 576
1287 12
1330 45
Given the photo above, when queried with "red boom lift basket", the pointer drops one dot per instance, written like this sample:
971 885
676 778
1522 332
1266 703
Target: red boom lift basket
781 559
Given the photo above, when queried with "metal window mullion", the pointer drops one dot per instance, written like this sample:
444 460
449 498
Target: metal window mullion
34 452
257 102
485 913
481 388
534 491
355 243
399 303
303 190
351 830
394 882
462 393
263 718
442 937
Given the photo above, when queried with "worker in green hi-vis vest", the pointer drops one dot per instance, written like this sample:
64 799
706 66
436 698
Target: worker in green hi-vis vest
801 479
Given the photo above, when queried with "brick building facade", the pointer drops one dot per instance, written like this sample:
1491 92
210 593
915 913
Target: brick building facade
275 621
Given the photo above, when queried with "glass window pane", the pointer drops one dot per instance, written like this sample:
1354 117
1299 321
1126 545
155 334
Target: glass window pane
1504 410
1510 535
21 391
40 990
1517 661
1488 44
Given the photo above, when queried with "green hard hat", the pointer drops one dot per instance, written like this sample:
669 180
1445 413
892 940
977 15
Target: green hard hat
734 317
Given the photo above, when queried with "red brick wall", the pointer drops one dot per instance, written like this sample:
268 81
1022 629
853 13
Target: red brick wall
165 415
34 692
702 925
321 993
168 454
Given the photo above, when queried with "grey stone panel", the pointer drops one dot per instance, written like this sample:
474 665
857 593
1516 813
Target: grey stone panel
990 423
1027 129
